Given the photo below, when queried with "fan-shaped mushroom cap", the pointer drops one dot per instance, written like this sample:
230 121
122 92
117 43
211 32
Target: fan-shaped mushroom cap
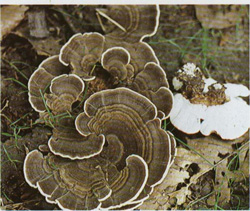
131 23
211 107
71 184
140 53
116 61
152 83
40 80
81 52
68 143
147 78
123 195
131 120
85 184
65 90
149 189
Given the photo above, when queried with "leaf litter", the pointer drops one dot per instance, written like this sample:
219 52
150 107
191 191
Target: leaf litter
206 155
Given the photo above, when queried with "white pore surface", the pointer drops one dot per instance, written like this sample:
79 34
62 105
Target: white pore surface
236 90
230 120
208 82
186 116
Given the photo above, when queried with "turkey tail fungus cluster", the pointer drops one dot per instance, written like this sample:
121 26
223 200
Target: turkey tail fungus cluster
107 148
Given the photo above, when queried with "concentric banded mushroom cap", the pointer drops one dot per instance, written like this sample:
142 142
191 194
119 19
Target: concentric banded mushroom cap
140 52
152 83
65 90
115 152
68 143
40 81
82 52
135 176
116 61
129 122
127 22
210 107
85 184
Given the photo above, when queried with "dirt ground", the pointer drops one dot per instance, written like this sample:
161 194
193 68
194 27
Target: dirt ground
222 53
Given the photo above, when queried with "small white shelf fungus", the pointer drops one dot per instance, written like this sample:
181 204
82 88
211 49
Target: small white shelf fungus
217 108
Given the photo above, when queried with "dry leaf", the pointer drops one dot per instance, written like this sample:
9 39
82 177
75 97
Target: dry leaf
218 16
206 153
11 16
178 174
217 152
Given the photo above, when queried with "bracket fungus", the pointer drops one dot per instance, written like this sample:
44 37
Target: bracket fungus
116 61
64 91
111 154
41 79
158 92
119 112
85 184
140 52
68 143
120 173
82 52
126 28
127 22
208 106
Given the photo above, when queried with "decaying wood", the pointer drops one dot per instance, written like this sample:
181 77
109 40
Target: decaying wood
38 24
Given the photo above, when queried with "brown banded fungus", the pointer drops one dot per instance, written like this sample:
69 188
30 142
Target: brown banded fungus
64 91
136 69
127 22
152 83
113 153
208 106
82 52
85 184
41 79
68 143
116 61
140 52
126 28
119 174
129 122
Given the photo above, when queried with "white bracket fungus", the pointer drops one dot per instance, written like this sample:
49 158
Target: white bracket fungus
217 108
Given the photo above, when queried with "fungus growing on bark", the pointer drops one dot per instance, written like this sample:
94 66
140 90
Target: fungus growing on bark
127 22
85 184
82 52
119 112
208 106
